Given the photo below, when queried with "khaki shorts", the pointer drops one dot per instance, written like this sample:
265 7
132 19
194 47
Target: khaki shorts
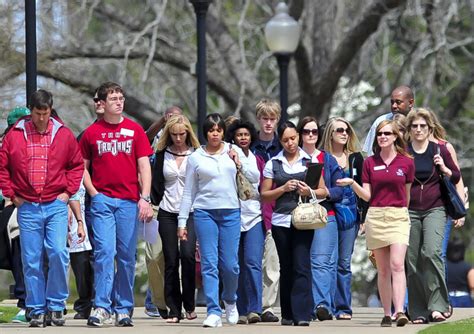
386 226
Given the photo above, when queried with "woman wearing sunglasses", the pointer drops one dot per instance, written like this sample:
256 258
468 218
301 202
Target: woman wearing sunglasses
340 140
324 246
427 290
386 181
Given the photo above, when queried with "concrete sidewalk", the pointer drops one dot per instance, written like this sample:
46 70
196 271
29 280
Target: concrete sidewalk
365 321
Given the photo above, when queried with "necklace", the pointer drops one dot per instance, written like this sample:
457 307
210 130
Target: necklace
215 152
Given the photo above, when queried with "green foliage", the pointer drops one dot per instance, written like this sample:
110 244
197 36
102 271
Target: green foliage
7 313
465 326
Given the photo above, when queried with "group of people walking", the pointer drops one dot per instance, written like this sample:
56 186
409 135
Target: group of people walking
250 251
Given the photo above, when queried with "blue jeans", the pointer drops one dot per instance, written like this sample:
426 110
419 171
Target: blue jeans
43 228
324 265
115 232
343 297
249 292
218 233
148 302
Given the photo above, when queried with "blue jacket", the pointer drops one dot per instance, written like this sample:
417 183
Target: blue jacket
332 173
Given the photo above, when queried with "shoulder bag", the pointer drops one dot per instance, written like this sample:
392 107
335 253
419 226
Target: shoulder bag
454 204
309 216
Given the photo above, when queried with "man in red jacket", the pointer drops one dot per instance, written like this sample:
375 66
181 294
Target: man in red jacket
40 168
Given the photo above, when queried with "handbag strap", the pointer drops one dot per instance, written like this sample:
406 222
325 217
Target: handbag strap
438 169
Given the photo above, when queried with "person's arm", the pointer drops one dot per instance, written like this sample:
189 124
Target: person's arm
470 280
91 190
408 189
189 194
459 185
75 166
75 206
153 130
145 211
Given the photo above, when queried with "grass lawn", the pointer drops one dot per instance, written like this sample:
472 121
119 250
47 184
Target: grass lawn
7 313
465 326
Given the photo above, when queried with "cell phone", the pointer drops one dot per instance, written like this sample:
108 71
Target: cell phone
313 174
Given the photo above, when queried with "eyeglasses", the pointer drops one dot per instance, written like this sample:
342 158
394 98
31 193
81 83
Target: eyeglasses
96 100
307 132
385 133
416 126
342 130
117 99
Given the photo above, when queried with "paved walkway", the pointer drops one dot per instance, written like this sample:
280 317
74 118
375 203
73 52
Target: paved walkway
365 321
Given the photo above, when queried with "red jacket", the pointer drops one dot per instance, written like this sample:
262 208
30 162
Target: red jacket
65 165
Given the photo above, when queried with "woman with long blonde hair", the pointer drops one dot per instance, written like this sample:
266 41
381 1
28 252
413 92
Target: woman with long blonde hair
340 140
386 182
176 143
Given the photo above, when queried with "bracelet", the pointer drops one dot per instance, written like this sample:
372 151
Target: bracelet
79 220
182 228
352 182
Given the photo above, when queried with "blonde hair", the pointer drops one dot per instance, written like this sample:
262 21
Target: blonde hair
400 143
401 121
352 144
266 107
426 114
165 138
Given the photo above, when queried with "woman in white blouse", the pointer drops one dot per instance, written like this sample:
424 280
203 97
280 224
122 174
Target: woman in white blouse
176 143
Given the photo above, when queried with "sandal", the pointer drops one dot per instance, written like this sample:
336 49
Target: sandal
191 315
401 319
420 321
172 320
386 321
449 313
437 316
344 316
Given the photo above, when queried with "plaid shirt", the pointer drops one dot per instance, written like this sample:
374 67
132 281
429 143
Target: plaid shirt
37 146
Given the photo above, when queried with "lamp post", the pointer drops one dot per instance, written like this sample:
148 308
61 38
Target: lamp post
200 8
282 34
30 48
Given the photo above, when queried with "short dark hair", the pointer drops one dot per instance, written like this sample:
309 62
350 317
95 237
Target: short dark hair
108 87
285 125
210 121
456 249
240 124
41 99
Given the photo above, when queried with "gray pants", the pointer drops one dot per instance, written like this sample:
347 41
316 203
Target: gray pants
271 275
427 291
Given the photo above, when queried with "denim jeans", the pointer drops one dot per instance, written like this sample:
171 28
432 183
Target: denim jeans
218 233
115 240
324 265
148 302
343 297
43 228
249 292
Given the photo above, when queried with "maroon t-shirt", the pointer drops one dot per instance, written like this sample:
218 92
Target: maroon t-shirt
388 182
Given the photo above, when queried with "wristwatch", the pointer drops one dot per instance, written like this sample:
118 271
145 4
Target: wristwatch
146 198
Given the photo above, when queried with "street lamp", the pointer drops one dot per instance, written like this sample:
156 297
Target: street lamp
200 8
282 34
30 48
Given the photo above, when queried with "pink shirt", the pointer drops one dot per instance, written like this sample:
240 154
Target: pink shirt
388 182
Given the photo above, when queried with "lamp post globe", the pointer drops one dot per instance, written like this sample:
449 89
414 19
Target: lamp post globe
282 35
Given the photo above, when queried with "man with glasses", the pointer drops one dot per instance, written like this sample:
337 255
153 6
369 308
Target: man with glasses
401 102
117 149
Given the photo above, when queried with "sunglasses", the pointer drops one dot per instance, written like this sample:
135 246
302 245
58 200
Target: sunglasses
385 133
422 126
307 132
342 130
96 100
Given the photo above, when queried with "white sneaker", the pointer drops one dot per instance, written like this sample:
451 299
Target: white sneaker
212 321
98 317
231 313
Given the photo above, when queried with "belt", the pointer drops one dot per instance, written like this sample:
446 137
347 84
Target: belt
458 293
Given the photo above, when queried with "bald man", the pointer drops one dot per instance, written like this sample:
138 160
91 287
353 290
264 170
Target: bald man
401 102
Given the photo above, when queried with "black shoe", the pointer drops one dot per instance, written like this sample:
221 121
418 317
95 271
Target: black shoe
163 313
37 320
47 319
302 323
322 313
269 317
286 322
57 318
79 316
386 321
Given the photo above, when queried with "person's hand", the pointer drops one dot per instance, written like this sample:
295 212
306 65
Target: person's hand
145 211
235 157
290 185
346 181
18 201
458 223
63 197
362 229
303 189
81 233
182 233
439 161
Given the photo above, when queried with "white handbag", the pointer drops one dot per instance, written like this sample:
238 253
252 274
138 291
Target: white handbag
309 216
